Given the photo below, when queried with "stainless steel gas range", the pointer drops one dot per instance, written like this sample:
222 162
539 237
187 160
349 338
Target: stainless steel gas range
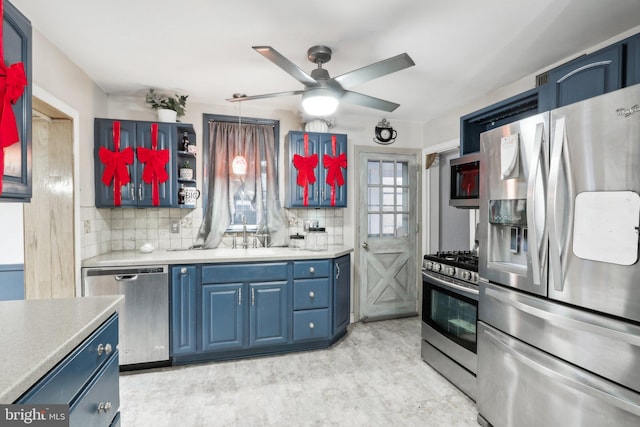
449 316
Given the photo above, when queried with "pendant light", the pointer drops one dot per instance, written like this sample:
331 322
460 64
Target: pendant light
239 163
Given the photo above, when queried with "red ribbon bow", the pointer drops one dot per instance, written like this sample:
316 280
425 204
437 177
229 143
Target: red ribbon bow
116 162
12 83
155 162
334 166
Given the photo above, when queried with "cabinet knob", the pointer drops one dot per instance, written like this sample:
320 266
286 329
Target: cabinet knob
312 294
104 348
104 407
311 325
183 270
312 270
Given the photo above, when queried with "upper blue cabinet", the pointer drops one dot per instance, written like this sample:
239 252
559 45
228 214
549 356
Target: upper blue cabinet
119 166
16 178
316 170
633 60
585 77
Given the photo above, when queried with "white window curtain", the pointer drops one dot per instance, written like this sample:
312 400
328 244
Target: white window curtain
256 143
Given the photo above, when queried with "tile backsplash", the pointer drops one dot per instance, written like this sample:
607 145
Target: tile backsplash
119 229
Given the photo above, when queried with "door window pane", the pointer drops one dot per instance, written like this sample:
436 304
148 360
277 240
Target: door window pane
388 201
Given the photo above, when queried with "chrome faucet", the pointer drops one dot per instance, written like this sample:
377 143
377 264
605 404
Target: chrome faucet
245 241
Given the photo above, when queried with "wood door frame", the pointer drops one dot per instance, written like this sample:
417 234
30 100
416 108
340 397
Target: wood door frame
53 101
358 151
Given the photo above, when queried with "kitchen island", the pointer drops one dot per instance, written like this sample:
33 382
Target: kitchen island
38 334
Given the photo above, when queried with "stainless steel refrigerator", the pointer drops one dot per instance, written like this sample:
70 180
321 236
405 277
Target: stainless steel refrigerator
559 308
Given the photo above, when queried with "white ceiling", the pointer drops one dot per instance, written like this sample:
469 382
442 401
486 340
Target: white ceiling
462 49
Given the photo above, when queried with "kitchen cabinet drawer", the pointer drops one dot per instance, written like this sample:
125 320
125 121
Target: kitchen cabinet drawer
311 324
239 273
312 293
97 405
65 380
311 269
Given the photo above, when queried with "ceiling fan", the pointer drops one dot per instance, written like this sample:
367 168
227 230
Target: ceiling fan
322 93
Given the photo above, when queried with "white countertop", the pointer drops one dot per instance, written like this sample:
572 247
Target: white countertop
207 256
37 334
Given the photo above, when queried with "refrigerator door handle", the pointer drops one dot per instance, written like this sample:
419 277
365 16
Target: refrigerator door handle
537 249
558 243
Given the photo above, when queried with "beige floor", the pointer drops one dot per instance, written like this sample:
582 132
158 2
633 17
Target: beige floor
373 377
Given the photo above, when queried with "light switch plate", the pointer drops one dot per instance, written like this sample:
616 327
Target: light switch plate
175 226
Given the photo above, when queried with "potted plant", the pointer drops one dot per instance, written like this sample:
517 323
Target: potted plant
186 172
169 108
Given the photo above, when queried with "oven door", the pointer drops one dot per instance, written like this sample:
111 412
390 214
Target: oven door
450 316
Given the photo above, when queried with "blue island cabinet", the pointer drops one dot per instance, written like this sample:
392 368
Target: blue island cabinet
87 380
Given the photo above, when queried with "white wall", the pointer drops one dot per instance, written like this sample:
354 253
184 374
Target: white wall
11 230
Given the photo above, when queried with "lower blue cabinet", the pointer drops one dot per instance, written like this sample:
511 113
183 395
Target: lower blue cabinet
223 313
184 282
269 313
228 310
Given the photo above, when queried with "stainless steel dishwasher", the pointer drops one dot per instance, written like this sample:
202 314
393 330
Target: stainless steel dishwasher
144 319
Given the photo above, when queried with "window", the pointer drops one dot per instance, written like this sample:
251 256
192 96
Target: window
244 204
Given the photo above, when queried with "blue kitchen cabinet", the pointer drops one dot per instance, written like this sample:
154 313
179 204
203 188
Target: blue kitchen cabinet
87 380
311 300
11 282
184 283
585 77
223 314
16 179
319 193
134 134
269 313
341 293
633 60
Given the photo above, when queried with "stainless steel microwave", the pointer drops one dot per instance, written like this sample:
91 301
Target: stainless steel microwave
465 182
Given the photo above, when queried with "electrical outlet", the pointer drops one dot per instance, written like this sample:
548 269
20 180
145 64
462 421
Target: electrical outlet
175 226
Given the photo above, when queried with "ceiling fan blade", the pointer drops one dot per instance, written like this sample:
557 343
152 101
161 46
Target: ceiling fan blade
266 95
368 101
296 72
375 70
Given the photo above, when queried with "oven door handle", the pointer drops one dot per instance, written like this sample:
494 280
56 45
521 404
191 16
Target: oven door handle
469 293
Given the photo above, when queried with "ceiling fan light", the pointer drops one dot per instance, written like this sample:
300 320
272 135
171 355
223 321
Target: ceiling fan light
319 104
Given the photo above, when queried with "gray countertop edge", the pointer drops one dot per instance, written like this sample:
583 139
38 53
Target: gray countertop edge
210 256
38 334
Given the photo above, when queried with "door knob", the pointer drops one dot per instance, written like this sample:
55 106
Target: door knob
365 245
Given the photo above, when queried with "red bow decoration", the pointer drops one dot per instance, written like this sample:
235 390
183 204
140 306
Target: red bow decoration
116 162
305 166
12 83
334 166
155 162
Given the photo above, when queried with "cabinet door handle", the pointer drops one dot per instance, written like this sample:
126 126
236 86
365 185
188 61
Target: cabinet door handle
139 191
337 271
132 191
106 349
312 294
316 194
104 407
253 297
183 270
311 325
240 296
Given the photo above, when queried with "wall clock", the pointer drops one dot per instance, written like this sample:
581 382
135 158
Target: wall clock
385 134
